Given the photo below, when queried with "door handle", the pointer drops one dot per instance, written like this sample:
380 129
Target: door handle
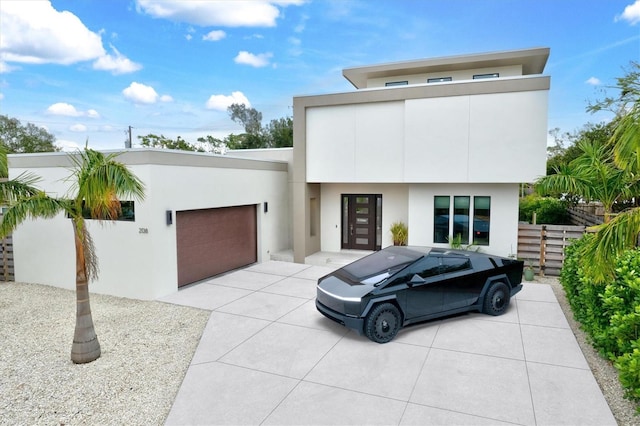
351 229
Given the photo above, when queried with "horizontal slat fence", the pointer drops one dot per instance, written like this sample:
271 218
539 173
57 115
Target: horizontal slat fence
6 246
543 246
582 217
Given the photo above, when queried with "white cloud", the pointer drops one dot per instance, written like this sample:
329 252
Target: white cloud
246 58
594 81
166 98
78 128
116 63
214 35
255 13
222 102
188 37
140 93
68 110
65 109
631 13
34 32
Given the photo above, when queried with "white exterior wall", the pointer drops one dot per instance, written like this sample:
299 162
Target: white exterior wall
394 208
144 265
503 231
463 139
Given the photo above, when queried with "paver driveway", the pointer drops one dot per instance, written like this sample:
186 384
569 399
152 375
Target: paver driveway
268 357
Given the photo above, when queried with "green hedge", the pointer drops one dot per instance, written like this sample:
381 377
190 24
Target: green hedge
609 314
548 210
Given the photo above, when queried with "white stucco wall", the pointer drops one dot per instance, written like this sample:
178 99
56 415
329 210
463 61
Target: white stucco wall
394 208
503 229
477 138
139 264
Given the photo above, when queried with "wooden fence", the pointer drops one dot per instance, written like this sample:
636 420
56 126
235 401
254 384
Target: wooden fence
6 248
584 217
543 246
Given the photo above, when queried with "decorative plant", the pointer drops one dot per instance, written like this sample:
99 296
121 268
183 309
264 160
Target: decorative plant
529 273
456 244
400 233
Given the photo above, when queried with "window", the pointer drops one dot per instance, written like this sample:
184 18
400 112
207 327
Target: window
455 264
461 218
438 79
481 219
396 83
454 220
483 76
441 219
127 214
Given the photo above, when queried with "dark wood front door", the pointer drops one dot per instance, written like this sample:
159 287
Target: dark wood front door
359 221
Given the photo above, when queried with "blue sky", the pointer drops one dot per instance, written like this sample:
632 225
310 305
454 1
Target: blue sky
88 69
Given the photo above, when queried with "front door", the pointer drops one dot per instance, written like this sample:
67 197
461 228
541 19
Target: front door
359 220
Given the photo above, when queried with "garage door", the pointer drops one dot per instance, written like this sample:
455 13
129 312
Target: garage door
213 241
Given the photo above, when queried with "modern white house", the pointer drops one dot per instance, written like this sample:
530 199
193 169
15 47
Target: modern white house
441 144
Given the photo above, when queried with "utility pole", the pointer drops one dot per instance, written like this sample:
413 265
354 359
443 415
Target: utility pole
127 143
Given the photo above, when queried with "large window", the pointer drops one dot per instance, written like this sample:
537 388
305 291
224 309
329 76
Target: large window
481 220
453 219
441 219
461 219
127 214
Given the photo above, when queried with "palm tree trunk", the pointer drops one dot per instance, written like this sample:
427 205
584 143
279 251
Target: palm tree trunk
86 347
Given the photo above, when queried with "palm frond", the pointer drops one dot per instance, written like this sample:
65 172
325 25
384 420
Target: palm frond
101 182
611 239
39 205
4 162
626 139
20 187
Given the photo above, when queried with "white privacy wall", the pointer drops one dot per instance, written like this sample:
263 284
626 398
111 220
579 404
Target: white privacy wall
139 259
465 139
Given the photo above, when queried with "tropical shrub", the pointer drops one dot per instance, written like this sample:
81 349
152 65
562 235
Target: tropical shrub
609 313
548 210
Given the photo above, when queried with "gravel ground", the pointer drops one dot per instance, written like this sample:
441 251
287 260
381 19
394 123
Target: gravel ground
146 350
605 373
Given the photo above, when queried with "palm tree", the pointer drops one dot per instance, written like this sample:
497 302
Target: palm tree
622 232
591 176
99 182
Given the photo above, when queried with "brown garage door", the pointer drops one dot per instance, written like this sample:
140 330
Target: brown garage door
213 241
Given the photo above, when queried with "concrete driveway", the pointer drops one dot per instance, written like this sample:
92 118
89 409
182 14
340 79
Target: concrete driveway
268 357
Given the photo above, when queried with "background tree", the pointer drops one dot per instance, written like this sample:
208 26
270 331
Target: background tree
280 132
18 138
99 182
621 233
277 134
155 141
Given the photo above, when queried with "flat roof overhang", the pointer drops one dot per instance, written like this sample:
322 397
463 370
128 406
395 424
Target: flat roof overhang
532 60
